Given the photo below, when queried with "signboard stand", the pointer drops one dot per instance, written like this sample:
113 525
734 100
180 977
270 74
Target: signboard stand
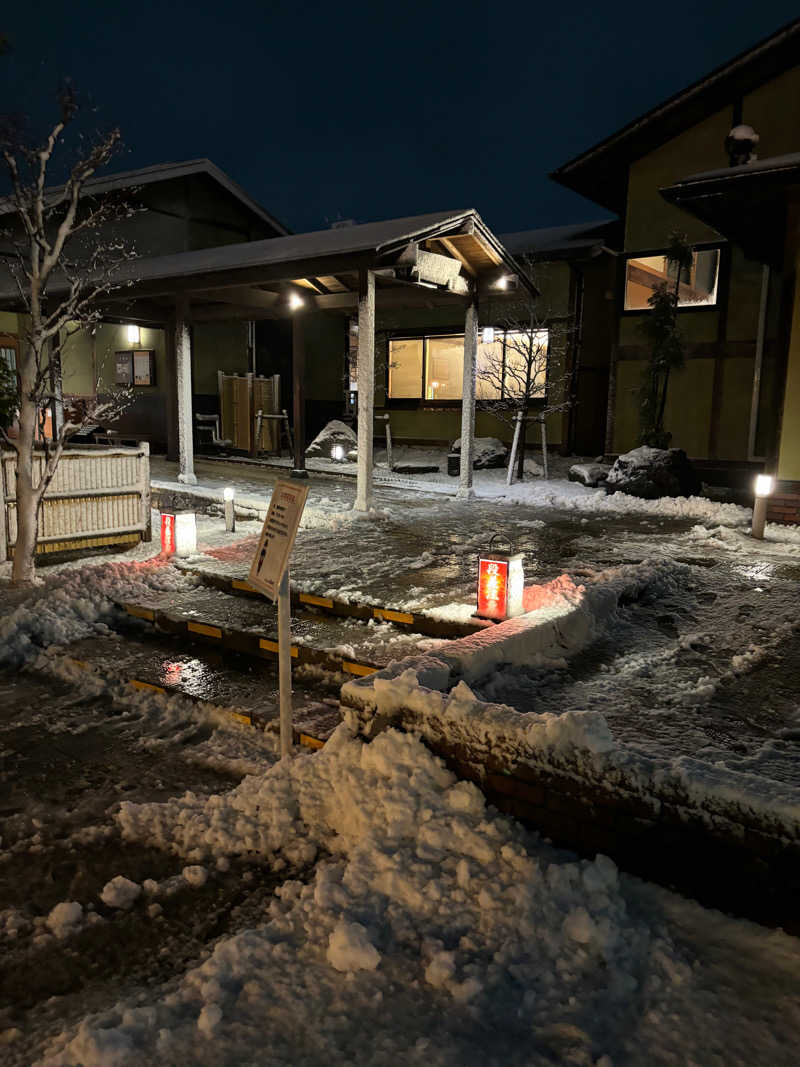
269 573
285 664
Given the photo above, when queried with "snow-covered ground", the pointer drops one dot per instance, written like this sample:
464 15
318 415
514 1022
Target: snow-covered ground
434 931
410 924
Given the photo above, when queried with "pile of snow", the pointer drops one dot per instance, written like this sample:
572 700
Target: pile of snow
120 892
75 604
65 918
334 433
436 932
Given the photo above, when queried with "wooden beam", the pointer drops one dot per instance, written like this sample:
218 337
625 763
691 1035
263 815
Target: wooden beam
244 296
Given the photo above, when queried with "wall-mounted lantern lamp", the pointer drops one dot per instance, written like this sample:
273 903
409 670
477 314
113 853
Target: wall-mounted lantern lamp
134 335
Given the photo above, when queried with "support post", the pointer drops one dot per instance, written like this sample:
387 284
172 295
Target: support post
544 449
285 664
183 381
389 457
298 387
465 490
366 386
512 459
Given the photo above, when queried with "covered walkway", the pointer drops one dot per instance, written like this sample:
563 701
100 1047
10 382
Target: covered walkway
424 261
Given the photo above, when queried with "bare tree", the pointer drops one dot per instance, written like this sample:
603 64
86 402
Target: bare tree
62 255
519 375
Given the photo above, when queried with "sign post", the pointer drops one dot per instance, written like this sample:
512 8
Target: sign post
269 573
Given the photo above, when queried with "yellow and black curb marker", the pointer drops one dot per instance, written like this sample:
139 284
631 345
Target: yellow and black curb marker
418 622
245 642
246 718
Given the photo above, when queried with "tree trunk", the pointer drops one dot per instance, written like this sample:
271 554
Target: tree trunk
24 570
521 447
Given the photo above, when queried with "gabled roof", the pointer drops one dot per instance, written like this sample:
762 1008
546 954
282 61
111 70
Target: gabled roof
347 248
161 172
600 173
575 241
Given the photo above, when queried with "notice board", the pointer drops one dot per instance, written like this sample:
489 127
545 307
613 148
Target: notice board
277 537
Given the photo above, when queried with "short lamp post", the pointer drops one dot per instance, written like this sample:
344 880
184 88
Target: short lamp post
501 584
230 516
765 484
185 534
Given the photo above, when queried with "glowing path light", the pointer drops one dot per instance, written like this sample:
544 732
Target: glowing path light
501 582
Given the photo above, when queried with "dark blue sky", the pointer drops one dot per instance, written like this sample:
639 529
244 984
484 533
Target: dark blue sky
372 110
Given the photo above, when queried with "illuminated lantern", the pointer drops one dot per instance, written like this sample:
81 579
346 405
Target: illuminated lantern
337 453
764 487
185 534
501 582
168 533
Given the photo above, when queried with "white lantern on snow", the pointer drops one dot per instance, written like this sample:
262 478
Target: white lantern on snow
764 486
185 534
337 453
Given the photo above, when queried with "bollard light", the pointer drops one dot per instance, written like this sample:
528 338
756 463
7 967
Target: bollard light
501 583
764 486
337 453
230 516
488 335
185 534
168 533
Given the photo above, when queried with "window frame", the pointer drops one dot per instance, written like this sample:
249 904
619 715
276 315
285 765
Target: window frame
424 335
700 246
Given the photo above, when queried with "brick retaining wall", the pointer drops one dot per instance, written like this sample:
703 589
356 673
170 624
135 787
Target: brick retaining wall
784 504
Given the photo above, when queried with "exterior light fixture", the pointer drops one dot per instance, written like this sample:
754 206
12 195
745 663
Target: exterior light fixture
488 335
230 517
337 453
764 487
501 583
295 301
502 282
168 533
134 335
185 534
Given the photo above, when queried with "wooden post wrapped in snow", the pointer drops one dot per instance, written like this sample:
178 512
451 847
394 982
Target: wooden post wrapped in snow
465 490
366 386
183 381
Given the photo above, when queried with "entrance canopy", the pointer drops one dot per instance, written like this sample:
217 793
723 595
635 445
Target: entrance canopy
424 259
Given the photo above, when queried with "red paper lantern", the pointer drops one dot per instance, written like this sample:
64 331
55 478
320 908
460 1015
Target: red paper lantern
168 533
500 586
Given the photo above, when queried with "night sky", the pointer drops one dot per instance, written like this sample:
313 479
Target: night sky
373 110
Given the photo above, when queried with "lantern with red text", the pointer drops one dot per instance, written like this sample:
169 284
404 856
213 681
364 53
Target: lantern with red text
501 582
168 533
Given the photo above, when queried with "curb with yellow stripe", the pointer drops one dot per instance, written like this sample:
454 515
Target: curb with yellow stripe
416 621
245 642
245 718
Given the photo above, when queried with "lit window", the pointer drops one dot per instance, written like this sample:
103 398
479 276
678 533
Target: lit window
432 368
698 284
526 352
405 369
444 368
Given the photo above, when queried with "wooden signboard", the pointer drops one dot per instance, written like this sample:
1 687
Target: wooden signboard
277 537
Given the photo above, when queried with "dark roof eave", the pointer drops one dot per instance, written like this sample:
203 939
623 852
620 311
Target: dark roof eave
614 153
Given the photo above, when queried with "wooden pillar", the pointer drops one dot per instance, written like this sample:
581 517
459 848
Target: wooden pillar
366 386
465 490
299 396
183 387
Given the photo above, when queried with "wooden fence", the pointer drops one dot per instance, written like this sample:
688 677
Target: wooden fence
98 497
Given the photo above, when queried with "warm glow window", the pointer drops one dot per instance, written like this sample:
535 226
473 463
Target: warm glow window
698 283
432 368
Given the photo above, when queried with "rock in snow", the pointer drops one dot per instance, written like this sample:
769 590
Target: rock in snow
653 472
334 433
489 452
591 474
